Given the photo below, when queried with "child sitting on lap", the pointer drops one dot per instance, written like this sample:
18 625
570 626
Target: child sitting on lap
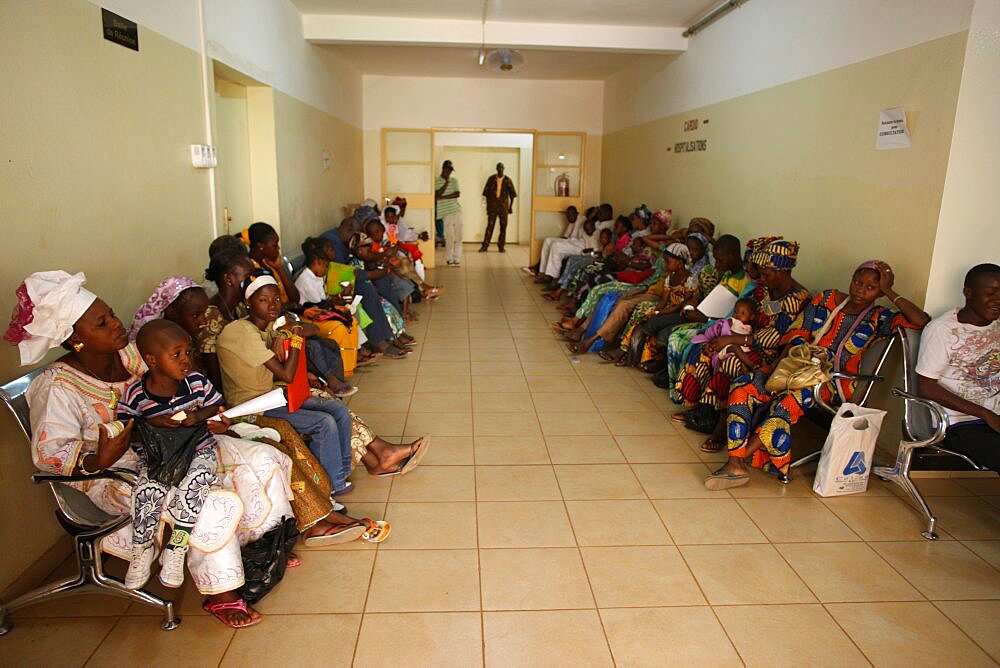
170 395
738 324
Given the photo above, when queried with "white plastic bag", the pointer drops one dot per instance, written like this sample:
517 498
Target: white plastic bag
847 453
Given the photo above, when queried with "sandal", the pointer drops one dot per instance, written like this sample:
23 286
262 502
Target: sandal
349 532
217 610
378 530
712 446
345 390
292 561
723 479
411 462
679 417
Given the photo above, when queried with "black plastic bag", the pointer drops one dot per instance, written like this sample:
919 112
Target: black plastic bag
702 418
168 451
264 560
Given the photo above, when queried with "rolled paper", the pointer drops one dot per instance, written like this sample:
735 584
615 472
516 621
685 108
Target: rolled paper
179 417
280 322
265 402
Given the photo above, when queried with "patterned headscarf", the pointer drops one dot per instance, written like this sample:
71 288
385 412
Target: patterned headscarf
164 295
703 225
665 216
779 254
679 251
702 238
761 242
48 305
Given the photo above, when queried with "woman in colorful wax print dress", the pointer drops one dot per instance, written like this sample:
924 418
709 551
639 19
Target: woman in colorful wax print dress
72 405
853 321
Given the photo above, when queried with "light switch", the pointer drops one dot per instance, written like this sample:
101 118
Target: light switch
203 156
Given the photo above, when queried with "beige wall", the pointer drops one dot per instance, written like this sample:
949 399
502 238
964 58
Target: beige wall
96 178
799 160
311 199
97 174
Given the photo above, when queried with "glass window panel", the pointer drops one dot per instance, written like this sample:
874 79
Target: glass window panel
545 180
549 148
549 224
414 179
407 147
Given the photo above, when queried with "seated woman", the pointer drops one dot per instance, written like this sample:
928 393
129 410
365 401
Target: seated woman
576 280
778 298
400 234
250 357
668 293
75 397
847 323
179 300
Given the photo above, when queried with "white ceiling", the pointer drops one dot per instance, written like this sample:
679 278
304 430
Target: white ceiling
417 61
600 12
396 57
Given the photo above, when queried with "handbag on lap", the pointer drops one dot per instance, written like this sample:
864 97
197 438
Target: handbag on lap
805 365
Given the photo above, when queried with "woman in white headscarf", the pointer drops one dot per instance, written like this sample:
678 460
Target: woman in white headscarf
72 404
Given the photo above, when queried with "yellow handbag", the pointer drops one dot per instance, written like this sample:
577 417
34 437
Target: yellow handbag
805 365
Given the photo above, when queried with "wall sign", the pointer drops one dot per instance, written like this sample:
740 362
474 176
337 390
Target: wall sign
120 30
691 146
892 130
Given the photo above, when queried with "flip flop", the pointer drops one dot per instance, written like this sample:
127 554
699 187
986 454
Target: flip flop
413 460
723 479
216 610
345 390
350 532
711 446
293 561
378 530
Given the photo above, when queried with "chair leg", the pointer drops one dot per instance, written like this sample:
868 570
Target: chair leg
900 474
91 579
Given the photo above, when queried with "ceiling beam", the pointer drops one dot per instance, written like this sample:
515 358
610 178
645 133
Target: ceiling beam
397 31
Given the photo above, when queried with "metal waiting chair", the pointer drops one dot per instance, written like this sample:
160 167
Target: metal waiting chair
925 424
871 366
82 520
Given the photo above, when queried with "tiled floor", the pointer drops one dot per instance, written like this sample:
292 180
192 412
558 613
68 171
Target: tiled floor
560 519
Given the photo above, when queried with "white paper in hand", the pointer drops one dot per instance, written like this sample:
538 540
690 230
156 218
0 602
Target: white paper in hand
265 402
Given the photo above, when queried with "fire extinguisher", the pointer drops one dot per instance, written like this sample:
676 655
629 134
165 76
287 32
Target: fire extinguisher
562 185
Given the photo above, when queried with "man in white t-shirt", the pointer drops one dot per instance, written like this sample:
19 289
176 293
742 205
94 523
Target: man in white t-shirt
959 367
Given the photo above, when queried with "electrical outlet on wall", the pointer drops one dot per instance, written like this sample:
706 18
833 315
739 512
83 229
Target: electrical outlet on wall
204 156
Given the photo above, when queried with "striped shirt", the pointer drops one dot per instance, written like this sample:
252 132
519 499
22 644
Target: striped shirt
193 393
447 207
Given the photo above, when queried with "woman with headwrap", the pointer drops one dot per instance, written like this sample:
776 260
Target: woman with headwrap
855 322
779 298
74 400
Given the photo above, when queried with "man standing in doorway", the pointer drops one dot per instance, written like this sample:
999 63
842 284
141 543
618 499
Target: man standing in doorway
446 194
499 193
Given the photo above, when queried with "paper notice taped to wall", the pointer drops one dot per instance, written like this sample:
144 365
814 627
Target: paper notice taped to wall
892 130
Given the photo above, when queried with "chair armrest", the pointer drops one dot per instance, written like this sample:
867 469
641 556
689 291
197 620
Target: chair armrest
124 475
938 413
839 375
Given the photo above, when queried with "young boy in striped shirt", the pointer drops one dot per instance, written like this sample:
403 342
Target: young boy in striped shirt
170 395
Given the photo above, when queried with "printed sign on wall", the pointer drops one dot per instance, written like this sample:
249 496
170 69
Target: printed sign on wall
892 130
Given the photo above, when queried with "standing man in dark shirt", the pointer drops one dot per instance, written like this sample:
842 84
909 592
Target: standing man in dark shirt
499 193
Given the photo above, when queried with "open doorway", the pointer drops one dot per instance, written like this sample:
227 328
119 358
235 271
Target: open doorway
246 177
475 155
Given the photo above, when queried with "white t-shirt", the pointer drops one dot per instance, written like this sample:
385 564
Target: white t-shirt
592 241
312 288
964 359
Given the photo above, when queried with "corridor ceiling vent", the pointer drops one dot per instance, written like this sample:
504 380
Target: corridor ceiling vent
504 60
